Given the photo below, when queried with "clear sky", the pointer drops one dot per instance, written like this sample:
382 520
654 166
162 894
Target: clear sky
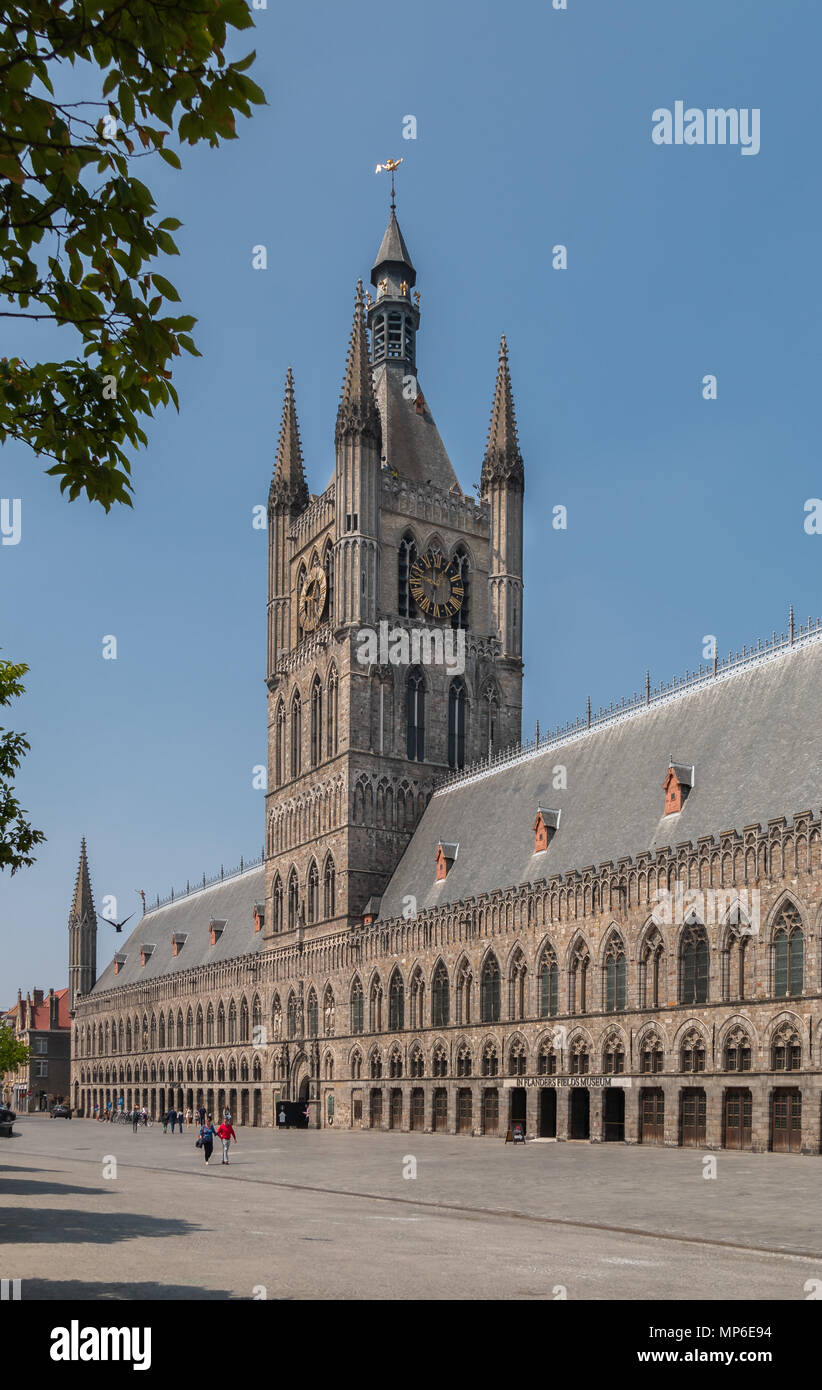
685 516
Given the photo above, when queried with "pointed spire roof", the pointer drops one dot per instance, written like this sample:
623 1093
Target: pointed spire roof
393 252
503 460
358 412
288 486
82 907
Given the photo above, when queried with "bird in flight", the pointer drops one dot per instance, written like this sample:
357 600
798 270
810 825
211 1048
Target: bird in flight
118 926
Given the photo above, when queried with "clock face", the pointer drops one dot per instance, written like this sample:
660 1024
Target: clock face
436 586
312 598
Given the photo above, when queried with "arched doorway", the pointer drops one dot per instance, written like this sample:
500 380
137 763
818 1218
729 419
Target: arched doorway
518 1107
548 1113
580 1117
613 1116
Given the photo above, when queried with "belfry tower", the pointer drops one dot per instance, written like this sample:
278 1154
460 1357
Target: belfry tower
82 927
359 734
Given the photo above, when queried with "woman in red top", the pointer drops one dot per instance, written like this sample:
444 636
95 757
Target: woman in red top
225 1133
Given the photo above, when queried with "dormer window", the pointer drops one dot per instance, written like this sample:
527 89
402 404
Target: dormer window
216 929
677 784
146 952
178 941
259 916
545 828
446 854
370 911
119 961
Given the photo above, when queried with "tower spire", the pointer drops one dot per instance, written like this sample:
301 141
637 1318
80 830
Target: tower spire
357 413
503 460
82 933
288 486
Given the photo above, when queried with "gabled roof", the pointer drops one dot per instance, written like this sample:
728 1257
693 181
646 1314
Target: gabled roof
755 737
231 901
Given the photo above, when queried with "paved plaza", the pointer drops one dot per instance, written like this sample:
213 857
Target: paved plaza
308 1214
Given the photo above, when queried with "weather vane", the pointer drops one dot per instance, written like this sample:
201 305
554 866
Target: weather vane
390 166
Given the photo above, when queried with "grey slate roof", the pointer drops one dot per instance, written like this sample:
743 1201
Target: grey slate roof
753 736
231 901
393 251
411 442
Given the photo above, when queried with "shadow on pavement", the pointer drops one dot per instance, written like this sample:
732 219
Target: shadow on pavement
58 1226
22 1187
62 1290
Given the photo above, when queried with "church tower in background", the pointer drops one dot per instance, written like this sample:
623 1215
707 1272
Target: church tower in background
357 736
82 926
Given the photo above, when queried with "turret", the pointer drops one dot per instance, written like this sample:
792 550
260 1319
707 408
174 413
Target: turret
502 485
287 497
82 926
358 441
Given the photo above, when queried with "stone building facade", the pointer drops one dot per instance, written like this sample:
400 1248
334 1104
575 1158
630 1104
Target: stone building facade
41 1021
611 934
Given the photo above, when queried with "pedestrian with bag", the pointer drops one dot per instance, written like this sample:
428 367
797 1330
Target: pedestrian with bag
172 1116
225 1134
205 1141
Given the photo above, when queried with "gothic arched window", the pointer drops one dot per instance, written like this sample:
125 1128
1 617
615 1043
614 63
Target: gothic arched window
692 1054
459 570
301 573
277 924
291 1016
613 1056
220 1025
313 1014
440 997
356 1006
296 734
548 985
198 1027
316 722
279 745
406 607
786 1050
457 701
417 999
651 1054
313 892
328 566
415 714
517 986
788 952
490 991
331 713
329 888
614 972
693 958
650 970
210 1027
232 1022
396 1002
293 899
737 1052
243 1033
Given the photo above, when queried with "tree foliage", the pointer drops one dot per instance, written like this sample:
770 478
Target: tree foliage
79 235
17 839
13 1054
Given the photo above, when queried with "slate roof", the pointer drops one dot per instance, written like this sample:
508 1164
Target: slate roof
393 251
232 901
411 441
754 737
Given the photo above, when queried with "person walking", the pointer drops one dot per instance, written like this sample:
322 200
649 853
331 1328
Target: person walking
144 1116
281 1119
201 1114
172 1116
206 1138
135 1119
164 1119
225 1134
188 1115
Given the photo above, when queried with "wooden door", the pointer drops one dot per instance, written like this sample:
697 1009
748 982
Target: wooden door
652 1116
396 1109
786 1126
738 1118
418 1108
613 1116
464 1111
693 1118
490 1111
376 1108
440 1110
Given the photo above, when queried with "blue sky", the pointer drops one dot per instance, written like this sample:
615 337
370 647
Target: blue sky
685 517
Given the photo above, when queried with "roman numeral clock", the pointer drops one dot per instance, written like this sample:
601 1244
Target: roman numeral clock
436 586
